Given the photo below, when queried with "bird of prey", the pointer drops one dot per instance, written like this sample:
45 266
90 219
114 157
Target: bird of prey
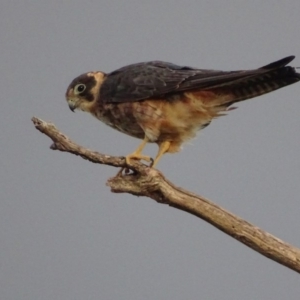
167 104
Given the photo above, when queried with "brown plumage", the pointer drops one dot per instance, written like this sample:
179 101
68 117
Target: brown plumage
167 104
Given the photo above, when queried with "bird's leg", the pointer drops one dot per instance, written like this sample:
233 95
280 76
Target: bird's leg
137 154
163 148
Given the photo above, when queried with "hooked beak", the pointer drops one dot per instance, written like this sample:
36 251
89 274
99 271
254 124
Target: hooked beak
72 106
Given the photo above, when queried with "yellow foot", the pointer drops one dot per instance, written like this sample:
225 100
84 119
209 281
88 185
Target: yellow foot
163 148
138 157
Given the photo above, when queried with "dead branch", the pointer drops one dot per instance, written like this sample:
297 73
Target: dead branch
145 181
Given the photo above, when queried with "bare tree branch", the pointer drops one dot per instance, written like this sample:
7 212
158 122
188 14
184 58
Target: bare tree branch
145 181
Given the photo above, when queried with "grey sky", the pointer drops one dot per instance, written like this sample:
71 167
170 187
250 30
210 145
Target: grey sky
63 235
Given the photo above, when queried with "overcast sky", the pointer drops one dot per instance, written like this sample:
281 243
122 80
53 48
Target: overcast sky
63 234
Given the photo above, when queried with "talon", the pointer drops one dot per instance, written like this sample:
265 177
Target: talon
138 157
151 163
137 154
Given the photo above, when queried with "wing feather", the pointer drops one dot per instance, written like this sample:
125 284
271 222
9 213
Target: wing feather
156 79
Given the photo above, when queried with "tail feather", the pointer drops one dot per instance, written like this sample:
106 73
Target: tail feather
279 63
279 76
264 84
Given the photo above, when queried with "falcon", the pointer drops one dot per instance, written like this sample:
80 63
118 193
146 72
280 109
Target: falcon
166 104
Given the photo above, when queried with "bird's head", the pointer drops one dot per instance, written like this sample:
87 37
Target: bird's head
83 91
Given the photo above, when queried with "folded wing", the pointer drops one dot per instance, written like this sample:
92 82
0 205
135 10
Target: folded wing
156 79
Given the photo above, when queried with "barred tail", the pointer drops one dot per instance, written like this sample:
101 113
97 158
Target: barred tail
260 84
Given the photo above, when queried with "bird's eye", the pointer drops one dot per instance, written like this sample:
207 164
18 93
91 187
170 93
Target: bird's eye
79 88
